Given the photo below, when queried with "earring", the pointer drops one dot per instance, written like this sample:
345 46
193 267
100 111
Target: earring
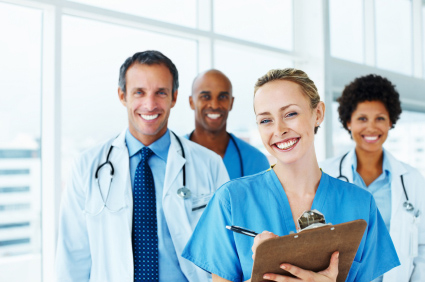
317 124
349 128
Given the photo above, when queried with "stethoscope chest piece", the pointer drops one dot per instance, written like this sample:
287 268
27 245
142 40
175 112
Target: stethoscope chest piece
184 193
408 206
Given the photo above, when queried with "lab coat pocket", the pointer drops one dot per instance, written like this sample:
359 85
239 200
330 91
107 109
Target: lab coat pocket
197 207
353 271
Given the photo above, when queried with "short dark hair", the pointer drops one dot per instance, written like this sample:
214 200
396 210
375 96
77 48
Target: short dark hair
148 57
371 87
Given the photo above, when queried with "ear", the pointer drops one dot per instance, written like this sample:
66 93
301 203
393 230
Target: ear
191 103
231 103
320 113
174 98
121 96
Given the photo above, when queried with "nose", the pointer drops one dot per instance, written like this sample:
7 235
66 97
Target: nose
280 128
214 104
149 102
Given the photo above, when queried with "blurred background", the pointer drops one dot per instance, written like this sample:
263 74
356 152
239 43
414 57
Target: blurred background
59 63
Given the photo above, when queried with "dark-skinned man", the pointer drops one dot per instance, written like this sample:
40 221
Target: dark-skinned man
212 100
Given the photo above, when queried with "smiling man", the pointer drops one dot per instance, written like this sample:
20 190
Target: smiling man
134 201
212 100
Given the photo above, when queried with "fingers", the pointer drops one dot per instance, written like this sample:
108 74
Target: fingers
332 270
260 238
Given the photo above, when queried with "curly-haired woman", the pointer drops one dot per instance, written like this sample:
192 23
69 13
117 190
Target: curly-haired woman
368 108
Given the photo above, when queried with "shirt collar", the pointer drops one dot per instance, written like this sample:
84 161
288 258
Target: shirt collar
386 167
159 147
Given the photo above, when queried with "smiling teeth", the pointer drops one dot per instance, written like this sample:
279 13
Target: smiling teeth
213 116
371 138
149 117
286 145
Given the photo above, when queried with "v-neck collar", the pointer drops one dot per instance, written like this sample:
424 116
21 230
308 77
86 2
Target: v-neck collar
279 192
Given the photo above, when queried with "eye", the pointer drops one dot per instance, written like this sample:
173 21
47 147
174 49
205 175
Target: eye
162 93
223 97
265 121
205 96
362 118
381 118
292 114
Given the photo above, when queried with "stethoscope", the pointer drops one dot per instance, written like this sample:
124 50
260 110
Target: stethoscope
183 192
237 149
407 205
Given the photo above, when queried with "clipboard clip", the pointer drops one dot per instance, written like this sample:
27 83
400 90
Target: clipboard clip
311 219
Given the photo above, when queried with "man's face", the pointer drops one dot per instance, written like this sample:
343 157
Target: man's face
148 100
211 100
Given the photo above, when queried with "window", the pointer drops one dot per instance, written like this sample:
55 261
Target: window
91 110
181 12
346 29
267 23
20 72
233 61
394 35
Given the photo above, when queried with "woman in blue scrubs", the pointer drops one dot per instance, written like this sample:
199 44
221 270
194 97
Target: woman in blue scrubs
288 113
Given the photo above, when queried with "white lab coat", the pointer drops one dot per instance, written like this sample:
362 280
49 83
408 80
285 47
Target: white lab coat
406 230
96 246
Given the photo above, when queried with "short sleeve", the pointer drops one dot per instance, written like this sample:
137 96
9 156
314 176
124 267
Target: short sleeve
379 254
212 246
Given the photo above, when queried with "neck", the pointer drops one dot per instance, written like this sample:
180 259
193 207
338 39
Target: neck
369 160
293 176
215 141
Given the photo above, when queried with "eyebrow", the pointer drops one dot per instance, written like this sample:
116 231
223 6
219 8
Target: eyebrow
280 110
209 92
143 89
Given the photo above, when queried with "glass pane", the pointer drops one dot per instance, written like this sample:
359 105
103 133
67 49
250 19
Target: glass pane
182 12
394 35
423 40
405 141
268 23
20 80
243 73
92 55
346 28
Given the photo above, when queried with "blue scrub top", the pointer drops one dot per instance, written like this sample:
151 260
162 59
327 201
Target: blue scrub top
253 160
259 202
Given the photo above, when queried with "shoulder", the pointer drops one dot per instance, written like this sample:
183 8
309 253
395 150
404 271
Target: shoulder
249 151
398 167
331 162
244 186
350 189
202 154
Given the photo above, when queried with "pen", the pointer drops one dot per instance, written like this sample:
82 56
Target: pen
241 230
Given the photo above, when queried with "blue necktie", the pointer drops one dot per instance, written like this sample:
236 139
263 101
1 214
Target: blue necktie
145 238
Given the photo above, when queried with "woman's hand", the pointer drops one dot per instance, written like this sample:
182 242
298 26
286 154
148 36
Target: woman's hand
328 275
260 238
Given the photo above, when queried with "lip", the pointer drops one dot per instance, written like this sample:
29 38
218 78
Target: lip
214 116
371 138
288 142
149 117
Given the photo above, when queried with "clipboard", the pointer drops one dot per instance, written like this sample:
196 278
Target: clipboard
310 249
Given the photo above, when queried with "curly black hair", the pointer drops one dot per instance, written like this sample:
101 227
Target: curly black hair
371 87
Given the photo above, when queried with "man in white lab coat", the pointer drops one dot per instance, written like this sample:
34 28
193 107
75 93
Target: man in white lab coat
101 237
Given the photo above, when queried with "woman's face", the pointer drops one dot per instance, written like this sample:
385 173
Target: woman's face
369 125
285 120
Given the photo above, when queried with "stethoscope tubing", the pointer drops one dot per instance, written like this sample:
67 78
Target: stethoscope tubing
112 172
408 206
237 149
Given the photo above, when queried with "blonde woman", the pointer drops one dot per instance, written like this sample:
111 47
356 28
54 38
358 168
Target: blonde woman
288 112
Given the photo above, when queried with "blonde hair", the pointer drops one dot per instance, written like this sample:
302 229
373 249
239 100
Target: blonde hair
297 76
294 75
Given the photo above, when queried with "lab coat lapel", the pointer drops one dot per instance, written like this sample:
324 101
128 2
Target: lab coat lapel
175 163
397 192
